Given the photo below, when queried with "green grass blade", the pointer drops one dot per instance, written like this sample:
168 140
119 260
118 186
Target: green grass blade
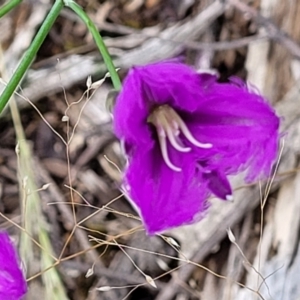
30 54
7 7
99 42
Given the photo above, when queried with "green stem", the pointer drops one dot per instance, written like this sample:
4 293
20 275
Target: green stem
30 54
98 40
8 7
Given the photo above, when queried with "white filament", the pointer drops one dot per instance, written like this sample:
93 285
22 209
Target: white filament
186 132
169 125
163 147
174 141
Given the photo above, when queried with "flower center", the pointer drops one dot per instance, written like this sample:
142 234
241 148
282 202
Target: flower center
169 125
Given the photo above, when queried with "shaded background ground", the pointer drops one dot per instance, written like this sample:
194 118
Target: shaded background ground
99 241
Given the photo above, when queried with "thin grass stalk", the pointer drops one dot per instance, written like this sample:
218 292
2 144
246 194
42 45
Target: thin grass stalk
7 7
99 42
30 54
32 217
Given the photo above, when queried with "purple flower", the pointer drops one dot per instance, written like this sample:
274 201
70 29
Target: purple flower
183 133
12 282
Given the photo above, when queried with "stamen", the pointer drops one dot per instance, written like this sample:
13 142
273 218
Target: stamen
174 141
160 131
169 125
186 132
176 128
175 125
164 152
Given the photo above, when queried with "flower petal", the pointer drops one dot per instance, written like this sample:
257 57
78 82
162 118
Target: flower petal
237 125
218 184
172 83
131 111
12 282
165 198
242 127
145 87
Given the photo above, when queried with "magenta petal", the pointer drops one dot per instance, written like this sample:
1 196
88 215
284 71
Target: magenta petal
212 130
131 111
12 283
242 127
152 85
165 198
218 184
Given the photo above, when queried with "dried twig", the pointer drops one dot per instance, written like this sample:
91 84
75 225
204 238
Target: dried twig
273 31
